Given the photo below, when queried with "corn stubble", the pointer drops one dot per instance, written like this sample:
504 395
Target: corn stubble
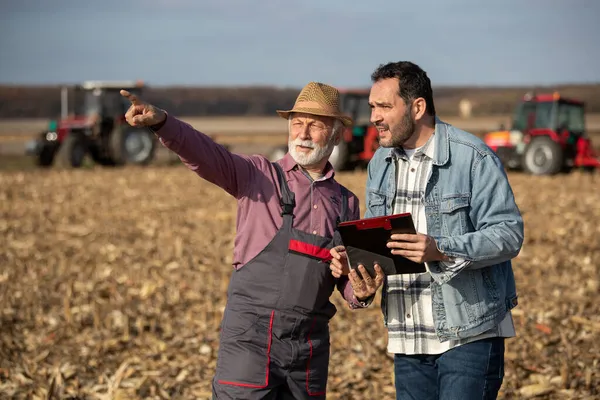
113 284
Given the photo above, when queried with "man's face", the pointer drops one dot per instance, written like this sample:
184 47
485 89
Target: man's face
390 114
311 138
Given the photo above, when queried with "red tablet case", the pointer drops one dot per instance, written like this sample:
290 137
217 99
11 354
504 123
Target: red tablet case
365 241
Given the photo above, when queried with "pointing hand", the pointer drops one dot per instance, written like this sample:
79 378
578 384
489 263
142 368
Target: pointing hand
141 113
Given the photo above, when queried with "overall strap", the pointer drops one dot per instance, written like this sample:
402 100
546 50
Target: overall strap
287 199
344 212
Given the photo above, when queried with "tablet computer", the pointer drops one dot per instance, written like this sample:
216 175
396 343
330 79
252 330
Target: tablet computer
365 241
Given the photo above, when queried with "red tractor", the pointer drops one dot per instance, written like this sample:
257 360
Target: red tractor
547 137
359 142
95 127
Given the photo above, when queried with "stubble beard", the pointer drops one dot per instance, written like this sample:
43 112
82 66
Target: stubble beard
399 134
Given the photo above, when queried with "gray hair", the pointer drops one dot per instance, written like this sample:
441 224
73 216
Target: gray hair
338 127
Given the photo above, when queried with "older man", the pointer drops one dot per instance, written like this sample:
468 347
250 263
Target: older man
275 329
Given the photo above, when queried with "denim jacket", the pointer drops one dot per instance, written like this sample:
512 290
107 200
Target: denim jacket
472 214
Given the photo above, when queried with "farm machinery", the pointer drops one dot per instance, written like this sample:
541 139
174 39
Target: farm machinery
359 142
548 136
96 127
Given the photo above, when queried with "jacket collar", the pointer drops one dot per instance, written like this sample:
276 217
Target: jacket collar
442 144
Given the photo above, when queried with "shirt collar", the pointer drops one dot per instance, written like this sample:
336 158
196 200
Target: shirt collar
427 150
288 163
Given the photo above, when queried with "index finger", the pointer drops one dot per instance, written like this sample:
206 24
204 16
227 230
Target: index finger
405 237
354 278
337 252
131 97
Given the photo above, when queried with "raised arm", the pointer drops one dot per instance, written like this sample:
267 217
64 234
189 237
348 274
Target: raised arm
211 161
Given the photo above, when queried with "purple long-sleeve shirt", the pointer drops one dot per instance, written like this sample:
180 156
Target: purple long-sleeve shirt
252 180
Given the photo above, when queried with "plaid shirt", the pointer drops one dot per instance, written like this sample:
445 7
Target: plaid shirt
408 296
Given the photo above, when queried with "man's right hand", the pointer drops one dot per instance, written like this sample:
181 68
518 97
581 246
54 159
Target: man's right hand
339 263
141 113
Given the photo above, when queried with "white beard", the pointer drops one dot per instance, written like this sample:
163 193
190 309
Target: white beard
317 153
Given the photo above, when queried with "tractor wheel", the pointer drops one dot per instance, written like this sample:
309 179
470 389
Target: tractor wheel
98 156
72 151
130 145
543 156
339 156
46 156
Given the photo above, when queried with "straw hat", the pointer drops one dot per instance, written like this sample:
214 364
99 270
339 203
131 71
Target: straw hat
318 99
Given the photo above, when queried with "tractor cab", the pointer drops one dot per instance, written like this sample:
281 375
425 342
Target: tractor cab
359 142
356 104
547 136
549 114
101 105
93 98
93 123
94 102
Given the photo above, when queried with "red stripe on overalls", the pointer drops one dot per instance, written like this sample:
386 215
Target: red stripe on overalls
310 250
249 385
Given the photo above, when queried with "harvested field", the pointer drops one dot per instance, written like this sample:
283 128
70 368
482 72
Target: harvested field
113 283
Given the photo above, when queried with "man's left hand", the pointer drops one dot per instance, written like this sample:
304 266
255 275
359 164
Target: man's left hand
418 248
365 286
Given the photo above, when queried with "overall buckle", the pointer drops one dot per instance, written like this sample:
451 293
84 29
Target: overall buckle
288 208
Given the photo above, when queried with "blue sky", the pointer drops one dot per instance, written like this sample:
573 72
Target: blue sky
288 43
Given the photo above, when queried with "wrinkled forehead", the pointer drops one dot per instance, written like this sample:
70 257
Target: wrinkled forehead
385 91
307 118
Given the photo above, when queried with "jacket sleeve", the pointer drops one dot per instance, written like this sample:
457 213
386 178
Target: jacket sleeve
498 225
368 213
198 152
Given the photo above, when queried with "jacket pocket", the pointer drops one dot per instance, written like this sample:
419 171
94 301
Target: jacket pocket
308 285
317 366
244 359
454 212
237 323
489 282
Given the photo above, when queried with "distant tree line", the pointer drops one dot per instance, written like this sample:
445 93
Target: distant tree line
44 101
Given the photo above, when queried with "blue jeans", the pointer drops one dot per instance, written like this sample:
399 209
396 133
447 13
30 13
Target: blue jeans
473 371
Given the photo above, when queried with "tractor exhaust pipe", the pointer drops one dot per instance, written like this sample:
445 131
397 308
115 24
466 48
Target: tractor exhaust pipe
64 103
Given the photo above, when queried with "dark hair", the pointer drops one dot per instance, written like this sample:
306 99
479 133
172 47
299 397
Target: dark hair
414 82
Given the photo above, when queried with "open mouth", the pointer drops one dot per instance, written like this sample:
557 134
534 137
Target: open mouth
303 148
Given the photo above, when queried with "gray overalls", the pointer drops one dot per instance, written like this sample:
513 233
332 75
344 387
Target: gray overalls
274 341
